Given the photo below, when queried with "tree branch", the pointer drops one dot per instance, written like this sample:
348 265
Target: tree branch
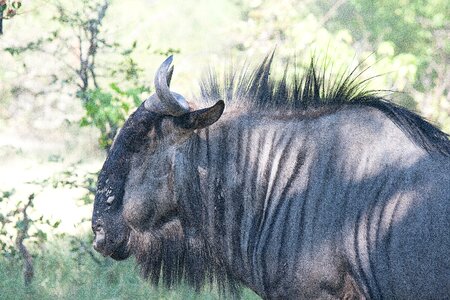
22 234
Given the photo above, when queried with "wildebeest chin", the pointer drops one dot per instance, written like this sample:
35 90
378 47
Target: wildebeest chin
299 187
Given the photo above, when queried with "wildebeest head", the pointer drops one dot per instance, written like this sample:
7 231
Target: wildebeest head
135 186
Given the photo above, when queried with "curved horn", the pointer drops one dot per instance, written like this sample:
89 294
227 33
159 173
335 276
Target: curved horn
174 103
169 76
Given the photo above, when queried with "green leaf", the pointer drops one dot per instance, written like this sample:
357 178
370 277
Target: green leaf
56 224
127 52
125 106
41 235
7 194
116 88
84 122
16 4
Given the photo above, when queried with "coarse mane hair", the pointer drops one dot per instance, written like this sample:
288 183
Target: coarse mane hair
173 256
310 95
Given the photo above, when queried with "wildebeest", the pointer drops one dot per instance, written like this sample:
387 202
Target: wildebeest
299 189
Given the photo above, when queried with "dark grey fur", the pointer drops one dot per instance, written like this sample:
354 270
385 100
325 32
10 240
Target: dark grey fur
306 189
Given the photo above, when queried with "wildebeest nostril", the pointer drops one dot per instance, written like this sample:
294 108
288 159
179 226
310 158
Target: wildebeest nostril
99 239
97 228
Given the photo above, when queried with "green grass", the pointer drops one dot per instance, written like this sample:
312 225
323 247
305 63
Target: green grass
60 274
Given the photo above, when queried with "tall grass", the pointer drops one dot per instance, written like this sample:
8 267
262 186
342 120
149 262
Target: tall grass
60 274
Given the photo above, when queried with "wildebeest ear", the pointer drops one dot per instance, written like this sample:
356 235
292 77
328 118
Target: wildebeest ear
201 118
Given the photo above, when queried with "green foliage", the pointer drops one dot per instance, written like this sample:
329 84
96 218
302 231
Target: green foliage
61 274
73 177
9 8
109 89
24 231
107 110
15 221
405 41
417 34
168 52
35 45
106 103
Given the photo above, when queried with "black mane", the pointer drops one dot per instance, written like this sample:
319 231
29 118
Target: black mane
172 257
312 93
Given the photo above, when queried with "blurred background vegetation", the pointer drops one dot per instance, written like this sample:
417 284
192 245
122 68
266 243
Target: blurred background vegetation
71 71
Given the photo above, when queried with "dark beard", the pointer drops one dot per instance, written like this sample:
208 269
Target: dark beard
173 256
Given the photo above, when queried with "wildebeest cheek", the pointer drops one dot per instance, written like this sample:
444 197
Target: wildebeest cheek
139 211
145 205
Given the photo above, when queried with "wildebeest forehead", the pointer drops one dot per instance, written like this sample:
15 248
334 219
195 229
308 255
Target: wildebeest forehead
134 130
110 186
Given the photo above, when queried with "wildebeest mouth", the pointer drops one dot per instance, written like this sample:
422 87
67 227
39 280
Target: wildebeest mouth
122 252
108 247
